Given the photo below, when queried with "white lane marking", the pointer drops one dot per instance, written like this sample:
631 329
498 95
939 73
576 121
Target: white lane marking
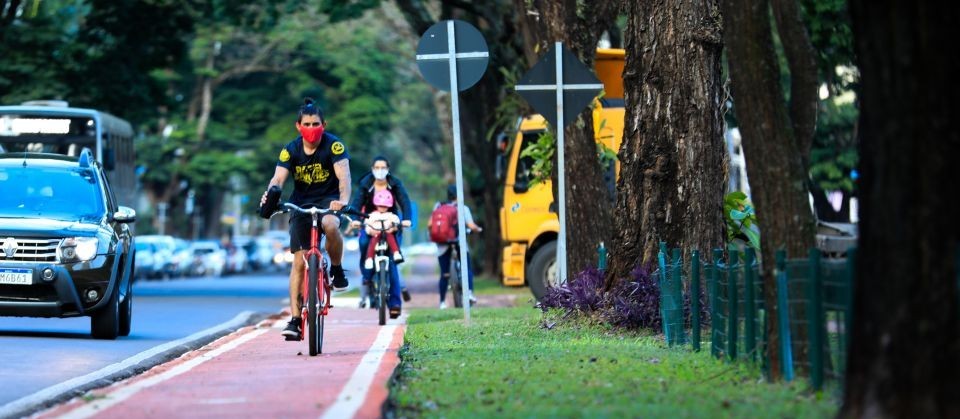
48 393
126 392
355 391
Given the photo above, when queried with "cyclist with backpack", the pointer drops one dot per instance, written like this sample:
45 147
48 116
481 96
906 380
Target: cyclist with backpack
443 230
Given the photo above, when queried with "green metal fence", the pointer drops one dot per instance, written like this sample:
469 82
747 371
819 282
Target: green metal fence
813 327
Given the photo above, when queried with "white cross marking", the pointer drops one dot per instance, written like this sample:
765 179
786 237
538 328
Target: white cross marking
441 57
562 86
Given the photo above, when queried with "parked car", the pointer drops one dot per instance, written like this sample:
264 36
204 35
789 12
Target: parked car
66 245
209 259
143 266
260 251
182 256
164 247
236 259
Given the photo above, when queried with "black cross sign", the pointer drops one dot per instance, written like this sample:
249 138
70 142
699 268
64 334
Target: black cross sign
577 83
454 39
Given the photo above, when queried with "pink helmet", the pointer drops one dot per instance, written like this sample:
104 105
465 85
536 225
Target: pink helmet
383 198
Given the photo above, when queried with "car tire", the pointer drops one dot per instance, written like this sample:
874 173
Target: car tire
537 271
126 312
105 323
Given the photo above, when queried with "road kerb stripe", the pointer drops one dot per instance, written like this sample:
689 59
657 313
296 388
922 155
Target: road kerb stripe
355 391
126 392
19 406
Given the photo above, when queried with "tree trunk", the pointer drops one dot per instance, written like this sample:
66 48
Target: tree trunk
672 175
588 207
904 346
773 145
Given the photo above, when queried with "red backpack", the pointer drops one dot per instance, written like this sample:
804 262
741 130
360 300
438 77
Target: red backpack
443 223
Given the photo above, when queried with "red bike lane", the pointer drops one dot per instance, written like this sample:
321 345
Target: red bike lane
255 373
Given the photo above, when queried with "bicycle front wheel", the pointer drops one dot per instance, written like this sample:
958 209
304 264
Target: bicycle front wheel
382 292
456 286
314 332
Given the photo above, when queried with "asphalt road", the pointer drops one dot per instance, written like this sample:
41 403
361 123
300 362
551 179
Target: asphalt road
39 355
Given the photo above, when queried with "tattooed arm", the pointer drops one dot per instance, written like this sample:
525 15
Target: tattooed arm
342 169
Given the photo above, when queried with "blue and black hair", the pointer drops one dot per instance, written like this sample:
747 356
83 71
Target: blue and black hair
310 107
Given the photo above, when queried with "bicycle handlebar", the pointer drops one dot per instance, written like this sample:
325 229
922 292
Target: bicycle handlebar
290 207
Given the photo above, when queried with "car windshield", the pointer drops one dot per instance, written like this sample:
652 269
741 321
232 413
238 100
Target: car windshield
68 194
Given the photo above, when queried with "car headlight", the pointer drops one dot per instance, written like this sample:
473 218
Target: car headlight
78 248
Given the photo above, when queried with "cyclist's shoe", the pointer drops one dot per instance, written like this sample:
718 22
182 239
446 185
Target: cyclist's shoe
405 294
394 312
363 303
443 305
292 331
340 282
397 258
368 263
473 299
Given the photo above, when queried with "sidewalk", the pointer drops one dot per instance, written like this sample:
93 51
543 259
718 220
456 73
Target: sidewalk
254 373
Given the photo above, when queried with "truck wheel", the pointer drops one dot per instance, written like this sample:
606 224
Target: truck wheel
542 270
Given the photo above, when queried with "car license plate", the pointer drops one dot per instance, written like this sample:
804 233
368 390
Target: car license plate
16 276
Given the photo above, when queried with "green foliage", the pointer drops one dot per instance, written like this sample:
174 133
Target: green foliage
510 363
607 155
542 153
834 152
741 220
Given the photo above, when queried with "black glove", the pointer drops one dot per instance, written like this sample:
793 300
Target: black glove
273 198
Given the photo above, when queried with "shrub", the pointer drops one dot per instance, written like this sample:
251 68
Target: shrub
634 303
584 293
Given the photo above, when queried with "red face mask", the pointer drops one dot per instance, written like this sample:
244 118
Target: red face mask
311 134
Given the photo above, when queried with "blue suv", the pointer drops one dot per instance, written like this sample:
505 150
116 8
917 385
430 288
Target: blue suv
66 247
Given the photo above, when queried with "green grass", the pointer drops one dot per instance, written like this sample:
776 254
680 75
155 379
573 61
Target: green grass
487 285
507 364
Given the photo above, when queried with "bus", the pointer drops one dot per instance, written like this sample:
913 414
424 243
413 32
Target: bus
49 126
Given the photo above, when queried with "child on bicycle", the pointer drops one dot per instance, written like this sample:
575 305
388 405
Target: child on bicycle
384 201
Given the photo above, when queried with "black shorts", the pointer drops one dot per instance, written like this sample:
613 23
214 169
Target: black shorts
300 225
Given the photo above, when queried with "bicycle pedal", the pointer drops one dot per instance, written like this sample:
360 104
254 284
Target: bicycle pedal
293 338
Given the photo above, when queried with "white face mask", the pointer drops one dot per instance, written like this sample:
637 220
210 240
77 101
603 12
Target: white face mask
380 174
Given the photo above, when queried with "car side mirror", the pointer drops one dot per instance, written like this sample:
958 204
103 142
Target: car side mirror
125 215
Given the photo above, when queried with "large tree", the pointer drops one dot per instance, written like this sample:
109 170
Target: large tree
904 355
673 155
776 137
579 27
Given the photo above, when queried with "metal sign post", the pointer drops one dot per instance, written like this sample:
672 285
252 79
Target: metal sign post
578 84
439 48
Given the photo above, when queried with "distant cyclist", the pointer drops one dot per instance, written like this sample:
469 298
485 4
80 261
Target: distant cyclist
443 250
321 178
380 179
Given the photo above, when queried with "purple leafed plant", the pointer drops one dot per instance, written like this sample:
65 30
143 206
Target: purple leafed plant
635 302
584 293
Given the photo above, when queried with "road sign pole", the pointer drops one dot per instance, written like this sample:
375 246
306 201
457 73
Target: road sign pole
458 162
562 205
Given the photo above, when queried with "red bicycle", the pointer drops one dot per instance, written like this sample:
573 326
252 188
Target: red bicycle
315 305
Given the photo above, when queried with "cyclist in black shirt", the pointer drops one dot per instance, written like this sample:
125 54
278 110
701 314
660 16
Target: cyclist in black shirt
320 166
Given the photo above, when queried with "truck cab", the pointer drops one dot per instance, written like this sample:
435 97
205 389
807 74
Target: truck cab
528 218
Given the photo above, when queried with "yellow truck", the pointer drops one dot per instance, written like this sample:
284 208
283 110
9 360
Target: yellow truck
528 218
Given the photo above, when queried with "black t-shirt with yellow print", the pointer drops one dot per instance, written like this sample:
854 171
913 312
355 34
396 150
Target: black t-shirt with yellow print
315 183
